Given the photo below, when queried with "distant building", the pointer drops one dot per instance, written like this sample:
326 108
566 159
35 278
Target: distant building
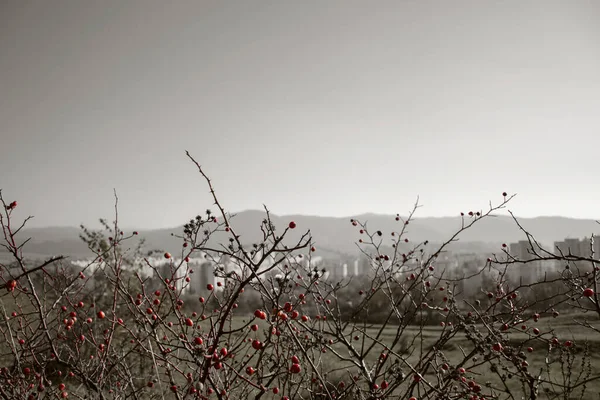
586 247
445 262
335 272
202 275
578 248
521 250
151 269
569 246
520 271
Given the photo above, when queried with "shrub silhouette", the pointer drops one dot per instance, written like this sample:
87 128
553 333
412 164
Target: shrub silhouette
127 326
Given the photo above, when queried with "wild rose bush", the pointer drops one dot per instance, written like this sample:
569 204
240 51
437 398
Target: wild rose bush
107 331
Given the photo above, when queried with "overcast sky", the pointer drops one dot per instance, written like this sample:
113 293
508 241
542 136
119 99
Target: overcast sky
328 108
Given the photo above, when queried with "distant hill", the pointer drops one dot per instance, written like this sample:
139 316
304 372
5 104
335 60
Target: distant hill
335 236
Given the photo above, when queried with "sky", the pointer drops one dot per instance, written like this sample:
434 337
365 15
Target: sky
332 108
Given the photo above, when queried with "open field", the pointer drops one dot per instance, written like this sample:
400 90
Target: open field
583 356
580 362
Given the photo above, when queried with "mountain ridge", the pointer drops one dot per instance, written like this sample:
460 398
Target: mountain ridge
338 236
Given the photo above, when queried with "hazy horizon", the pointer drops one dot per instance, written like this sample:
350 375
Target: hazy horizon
335 108
178 225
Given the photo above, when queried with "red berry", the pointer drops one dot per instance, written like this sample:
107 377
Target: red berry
11 285
588 292
167 255
101 314
292 225
198 341
295 368
210 287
